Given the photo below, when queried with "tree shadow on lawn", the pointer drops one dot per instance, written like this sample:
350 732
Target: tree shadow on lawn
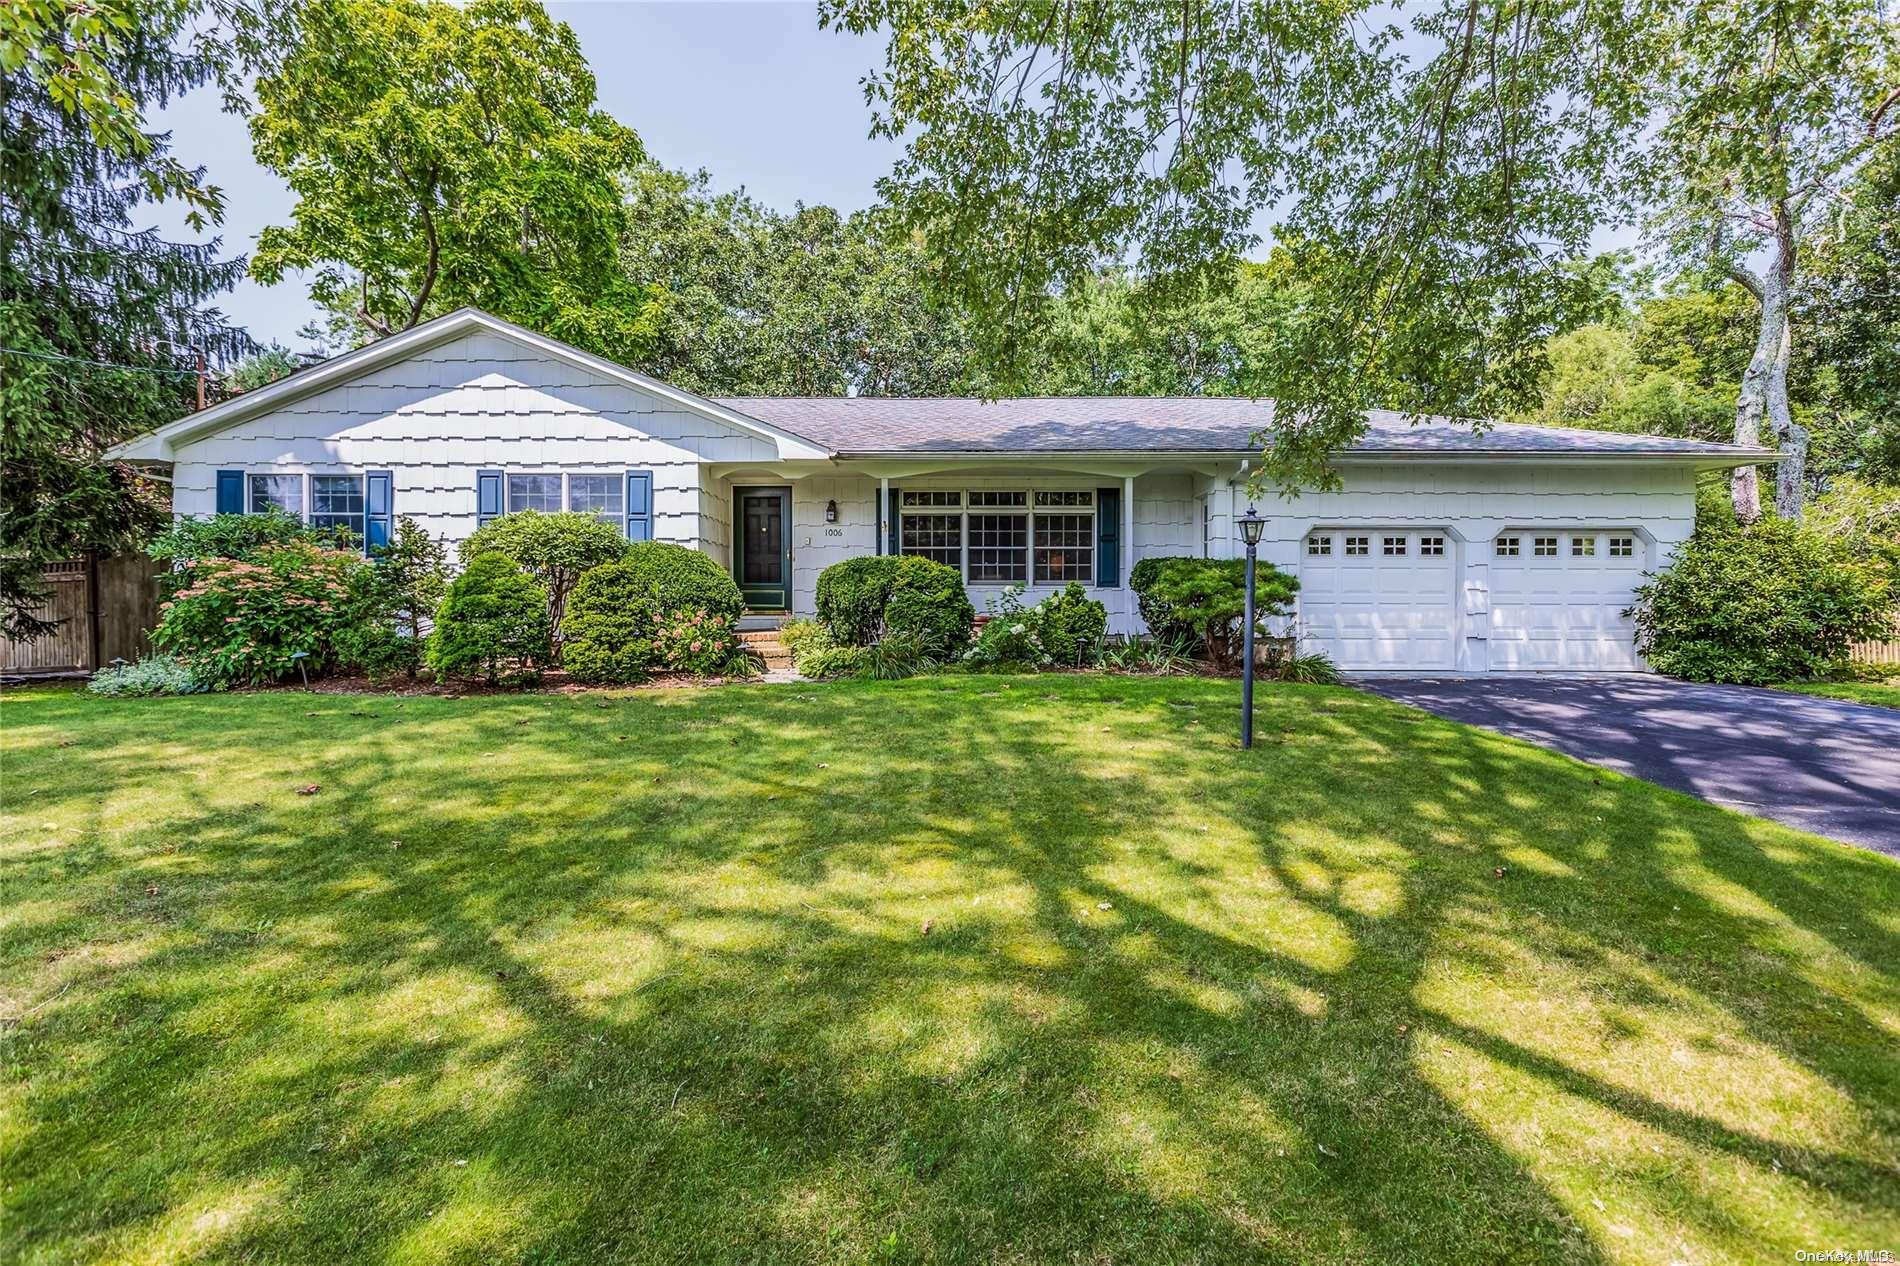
673 997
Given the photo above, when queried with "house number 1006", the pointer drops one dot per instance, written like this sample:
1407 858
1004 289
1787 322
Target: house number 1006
834 531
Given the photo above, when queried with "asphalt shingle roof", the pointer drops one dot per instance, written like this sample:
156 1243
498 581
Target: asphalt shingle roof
865 424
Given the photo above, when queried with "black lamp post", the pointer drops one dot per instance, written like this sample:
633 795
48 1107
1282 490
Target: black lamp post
1251 526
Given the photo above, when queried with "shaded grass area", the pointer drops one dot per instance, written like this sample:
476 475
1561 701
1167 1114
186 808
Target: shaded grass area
948 970
1887 696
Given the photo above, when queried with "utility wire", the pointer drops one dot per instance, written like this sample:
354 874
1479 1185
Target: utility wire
103 364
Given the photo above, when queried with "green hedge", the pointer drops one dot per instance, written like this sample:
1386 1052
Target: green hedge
861 601
495 614
661 607
1207 596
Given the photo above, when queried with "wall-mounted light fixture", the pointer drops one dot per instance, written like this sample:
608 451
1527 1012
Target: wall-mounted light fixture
831 511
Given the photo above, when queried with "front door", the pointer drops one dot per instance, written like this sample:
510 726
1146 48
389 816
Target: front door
762 547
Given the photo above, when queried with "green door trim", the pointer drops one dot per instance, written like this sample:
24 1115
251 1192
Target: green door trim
763 595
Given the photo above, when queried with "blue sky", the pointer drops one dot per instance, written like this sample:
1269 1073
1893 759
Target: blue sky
754 93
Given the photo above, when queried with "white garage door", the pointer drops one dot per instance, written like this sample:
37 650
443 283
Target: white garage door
1557 600
1379 598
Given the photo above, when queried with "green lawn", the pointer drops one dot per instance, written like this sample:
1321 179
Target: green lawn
1853 691
963 969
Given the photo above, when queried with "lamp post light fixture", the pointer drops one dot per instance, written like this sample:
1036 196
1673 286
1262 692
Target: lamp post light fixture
831 511
298 659
1251 526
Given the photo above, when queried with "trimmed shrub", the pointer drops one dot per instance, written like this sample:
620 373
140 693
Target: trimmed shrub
927 602
495 614
851 597
1157 615
661 607
611 619
1208 597
796 635
240 621
152 675
863 600
682 579
555 549
1772 602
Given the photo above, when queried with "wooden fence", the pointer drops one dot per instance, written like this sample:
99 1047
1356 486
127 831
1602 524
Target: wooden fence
1884 653
102 609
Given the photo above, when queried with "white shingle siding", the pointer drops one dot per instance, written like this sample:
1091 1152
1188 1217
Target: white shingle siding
480 402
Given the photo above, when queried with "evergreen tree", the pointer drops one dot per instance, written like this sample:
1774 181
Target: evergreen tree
101 322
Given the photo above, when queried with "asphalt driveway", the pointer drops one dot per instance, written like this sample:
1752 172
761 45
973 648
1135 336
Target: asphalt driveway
1823 765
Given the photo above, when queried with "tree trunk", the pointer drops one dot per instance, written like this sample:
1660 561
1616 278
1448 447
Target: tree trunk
1791 476
1764 395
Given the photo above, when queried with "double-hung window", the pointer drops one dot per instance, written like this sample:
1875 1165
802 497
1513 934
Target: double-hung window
337 501
998 538
534 492
1065 537
602 495
932 527
276 492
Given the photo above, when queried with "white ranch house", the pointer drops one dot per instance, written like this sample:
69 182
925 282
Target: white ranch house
1446 550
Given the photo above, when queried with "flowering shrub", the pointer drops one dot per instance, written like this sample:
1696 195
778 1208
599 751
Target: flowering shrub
661 608
1064 630
695 640
240 621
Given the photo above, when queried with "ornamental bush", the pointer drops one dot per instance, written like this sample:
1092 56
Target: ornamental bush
191 541
1208 597
555 549
851 596
1156 614
1775 601
240 621
495 615
863 600
1064 630
611 620
682 578
392 603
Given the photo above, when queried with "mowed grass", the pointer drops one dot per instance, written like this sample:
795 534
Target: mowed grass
1884 694
948 970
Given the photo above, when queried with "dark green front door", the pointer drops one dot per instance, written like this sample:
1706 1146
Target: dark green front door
762 547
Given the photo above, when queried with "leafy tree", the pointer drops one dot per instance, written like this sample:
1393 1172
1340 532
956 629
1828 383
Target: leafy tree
102 322
1430 200
261 369
446 155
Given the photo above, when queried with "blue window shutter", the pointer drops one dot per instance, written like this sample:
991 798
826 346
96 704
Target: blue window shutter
891 525
1108 537
378 504
230 492
487 496
639 505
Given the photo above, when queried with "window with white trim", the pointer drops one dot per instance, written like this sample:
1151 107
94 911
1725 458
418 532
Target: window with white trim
1433 546
337 501
1358 545
275 492
1393 546
1065 548
1002 536
1505 547
1583 547
602 495
534 492
1544 546
1622 547
1319 545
